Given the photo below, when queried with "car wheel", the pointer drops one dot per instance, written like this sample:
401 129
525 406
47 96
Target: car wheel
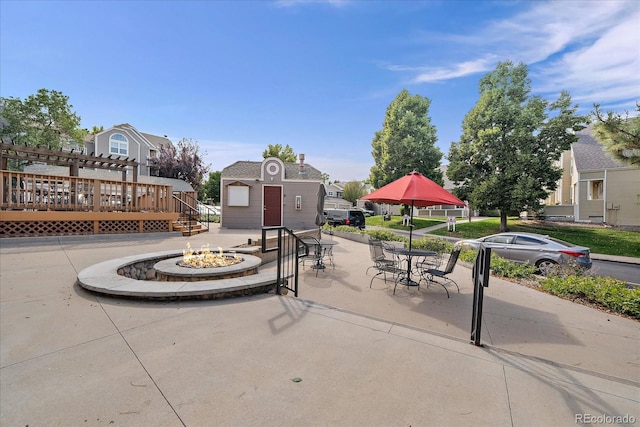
544 266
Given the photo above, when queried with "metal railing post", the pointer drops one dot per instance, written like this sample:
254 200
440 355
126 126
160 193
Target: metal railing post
480 276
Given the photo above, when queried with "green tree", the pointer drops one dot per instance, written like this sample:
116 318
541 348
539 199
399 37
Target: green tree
45 119
182 161
406 142
211 188
97 129
619 134
285 154
505 157
352 191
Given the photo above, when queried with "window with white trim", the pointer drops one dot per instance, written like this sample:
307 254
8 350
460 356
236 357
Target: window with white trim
237 195
118 144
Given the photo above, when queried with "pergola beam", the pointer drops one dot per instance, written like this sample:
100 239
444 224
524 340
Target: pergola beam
64 158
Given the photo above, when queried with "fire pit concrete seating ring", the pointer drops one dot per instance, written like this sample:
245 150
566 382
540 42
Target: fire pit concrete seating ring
159 275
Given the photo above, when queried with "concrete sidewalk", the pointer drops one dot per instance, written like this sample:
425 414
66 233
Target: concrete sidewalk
364 356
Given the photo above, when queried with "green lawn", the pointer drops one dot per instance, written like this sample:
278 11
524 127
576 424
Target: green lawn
396 222
599 240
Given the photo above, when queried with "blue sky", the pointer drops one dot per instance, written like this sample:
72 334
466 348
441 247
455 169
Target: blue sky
316 75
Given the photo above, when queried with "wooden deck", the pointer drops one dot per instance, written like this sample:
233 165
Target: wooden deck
45 205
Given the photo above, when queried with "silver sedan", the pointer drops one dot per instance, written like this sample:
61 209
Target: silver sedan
534 249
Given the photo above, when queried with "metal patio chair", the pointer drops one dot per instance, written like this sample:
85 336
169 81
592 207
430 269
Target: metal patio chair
429 274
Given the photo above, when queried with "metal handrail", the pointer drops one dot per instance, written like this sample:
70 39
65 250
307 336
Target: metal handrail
188 210
291 249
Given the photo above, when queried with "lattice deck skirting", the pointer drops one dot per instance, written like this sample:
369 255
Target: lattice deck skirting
32 224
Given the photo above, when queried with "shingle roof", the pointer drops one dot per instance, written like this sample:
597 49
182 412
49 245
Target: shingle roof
251 170
156 140
589 154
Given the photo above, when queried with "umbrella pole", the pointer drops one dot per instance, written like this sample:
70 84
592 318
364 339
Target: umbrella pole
410 243
411 225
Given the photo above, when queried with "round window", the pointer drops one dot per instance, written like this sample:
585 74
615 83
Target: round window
273 168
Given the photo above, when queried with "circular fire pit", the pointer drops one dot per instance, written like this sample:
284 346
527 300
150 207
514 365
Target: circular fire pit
136 277
171 270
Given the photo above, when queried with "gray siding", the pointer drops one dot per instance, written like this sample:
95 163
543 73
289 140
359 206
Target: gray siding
139 145
242 216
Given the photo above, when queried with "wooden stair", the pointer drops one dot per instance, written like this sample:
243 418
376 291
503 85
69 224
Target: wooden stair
182 225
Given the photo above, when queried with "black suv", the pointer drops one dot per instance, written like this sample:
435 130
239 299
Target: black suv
352 217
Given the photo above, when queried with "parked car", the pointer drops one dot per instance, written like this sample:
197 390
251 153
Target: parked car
352 217
534 249
368 212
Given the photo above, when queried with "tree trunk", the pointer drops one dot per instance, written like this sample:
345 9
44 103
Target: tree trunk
503 221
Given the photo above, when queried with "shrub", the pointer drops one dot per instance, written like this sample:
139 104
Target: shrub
605 291
430 244
210 218
342 228
386 235
570 268
501 267
468 256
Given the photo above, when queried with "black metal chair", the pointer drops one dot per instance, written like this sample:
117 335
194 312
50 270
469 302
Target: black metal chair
430 274
381 263
314 254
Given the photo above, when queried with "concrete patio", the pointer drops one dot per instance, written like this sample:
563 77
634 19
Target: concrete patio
364 356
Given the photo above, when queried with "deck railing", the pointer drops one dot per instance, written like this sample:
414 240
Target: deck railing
19 190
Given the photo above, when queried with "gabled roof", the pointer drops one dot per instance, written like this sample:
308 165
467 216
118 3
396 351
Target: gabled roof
246 169
589 154
157 141
153 141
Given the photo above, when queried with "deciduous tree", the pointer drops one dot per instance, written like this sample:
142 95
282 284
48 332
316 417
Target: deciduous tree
182 161
511 139
352 191
285 154
45 119
211 188
406 142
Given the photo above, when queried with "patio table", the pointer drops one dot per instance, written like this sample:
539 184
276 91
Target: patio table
409 254
321 248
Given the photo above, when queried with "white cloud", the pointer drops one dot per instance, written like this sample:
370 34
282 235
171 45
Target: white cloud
457 70
606 70
590 49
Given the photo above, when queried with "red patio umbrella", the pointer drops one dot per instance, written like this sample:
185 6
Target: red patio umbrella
416 190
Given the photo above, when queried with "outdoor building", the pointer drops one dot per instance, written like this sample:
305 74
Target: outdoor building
594 186
269 193
126 141
336 203
335 190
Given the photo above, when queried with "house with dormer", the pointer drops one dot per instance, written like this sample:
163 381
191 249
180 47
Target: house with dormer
126 141
595 187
